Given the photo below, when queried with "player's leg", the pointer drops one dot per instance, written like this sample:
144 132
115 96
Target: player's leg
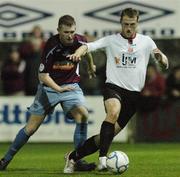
80 114
127 107
112 103
42 104
73 157
21 139
107 132
75 107
90 146
127 110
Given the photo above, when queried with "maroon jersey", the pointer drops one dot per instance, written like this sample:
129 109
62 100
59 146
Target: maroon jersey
55 62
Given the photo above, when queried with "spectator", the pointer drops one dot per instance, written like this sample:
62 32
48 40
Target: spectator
173 84
31 52
153 90
13 73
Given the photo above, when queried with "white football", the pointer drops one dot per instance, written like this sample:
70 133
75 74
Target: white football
117 162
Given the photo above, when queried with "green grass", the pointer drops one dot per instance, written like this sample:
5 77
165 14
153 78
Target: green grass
47 160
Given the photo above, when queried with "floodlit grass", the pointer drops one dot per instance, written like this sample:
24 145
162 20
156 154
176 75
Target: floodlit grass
47 160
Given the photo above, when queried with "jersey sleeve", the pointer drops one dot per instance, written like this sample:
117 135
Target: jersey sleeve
152 44
81 39
98 44
45 58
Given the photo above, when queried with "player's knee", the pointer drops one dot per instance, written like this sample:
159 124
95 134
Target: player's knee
30 130
84 117
81 115
113 114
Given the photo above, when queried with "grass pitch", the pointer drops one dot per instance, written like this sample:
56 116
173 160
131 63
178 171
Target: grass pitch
47 160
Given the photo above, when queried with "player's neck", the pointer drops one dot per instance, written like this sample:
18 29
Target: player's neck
129 38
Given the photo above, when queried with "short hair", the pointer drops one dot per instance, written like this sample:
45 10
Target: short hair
130 12
66 20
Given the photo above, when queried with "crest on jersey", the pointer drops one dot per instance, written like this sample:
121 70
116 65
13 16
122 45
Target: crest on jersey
130 49
41 67
112 12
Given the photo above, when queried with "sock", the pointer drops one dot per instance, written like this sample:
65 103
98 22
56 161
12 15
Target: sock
80 134
20 140
106 137
89 147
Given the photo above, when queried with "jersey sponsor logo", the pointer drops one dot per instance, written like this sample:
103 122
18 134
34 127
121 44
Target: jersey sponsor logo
111 13
117 60
14 15
127 61
130 49
63 66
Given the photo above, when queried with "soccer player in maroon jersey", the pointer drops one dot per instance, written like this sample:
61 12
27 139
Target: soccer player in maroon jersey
59 83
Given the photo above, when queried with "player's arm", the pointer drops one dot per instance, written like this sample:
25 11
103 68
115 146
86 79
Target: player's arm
88 47
161 58
81 51
47 80
91 65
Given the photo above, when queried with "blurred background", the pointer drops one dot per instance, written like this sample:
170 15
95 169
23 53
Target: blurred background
26 25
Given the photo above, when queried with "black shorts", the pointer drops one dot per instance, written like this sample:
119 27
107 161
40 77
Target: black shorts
128 99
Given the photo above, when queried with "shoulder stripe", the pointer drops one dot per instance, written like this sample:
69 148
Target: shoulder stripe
50 52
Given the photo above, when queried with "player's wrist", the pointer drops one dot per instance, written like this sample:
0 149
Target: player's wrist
83 50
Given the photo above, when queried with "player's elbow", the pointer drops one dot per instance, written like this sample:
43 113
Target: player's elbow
42 77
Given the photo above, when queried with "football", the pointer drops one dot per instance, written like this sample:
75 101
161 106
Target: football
117 162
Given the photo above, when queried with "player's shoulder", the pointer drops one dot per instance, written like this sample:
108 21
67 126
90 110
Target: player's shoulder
111 37
143 36
53 40
80 38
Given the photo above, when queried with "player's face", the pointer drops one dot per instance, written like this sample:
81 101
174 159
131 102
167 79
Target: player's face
129 26
66 34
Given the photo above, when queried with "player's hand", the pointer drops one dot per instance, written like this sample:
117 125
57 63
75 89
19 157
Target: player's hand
161 59
74 57
66 88
91 71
